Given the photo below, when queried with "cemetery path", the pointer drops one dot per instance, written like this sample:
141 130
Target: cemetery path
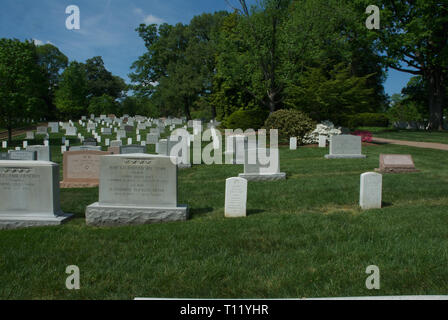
427 145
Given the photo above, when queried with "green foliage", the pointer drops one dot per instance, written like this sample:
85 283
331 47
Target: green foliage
179 64
102 82
257 58
331 95
368 120
53 61
138 105
404 112
290 123
413 38
103 105
246 119
71 96
22 83
416 90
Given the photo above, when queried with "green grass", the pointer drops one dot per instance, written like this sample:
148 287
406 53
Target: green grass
303 237
409 135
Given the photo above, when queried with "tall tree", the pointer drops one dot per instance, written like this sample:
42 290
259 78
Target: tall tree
100 81
178 67
414 35
53 62
71 95
261 28
22 84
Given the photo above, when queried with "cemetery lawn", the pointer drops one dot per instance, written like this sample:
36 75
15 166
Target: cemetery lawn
409 135
303 237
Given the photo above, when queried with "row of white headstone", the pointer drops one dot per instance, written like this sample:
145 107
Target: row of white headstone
370 195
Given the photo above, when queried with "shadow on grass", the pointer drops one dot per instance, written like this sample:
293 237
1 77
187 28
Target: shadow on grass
386 204
197 212
254 211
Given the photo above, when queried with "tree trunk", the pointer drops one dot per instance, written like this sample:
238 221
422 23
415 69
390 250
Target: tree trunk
213 112
187 109
271 102
9 135
436 91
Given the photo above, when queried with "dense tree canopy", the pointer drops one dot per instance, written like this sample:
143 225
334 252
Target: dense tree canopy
71 96
316 56
23 84
414 36
258 58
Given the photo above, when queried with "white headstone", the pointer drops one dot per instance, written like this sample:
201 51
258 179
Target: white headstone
29 194
136 189
43 152
236 197
293 143
345 146
30 135
371 191
322 141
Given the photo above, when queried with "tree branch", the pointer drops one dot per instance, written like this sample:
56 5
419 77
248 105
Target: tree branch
407 70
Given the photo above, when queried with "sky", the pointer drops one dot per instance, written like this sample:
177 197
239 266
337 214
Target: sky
108 28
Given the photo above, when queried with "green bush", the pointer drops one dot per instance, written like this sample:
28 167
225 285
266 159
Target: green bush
246 119
368 120
290 123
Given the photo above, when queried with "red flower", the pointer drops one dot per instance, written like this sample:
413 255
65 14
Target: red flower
366 136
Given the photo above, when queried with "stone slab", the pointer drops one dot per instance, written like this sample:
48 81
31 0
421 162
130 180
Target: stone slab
82 168
139 179
345 147
15 222
43 152
396 163
263 176
110 215
345 156
29 194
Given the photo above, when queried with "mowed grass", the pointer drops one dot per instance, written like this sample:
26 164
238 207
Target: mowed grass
303 237
409 135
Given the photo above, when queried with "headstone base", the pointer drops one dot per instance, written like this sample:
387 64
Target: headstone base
345 156
184 166
27 220
396 170
78 185
263 177
109 215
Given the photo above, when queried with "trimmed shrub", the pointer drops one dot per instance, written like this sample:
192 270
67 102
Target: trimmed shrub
366 136
368 120
290 123
246 119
